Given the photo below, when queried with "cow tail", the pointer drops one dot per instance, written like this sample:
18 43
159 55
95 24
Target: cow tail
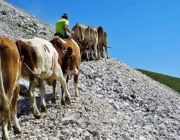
5 103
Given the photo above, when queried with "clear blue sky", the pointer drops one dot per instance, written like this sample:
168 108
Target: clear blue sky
142 34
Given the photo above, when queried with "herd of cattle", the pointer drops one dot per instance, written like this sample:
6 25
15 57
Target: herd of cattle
91 40
38 60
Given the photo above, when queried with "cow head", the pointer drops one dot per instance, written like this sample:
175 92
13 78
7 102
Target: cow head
100 31
69 63
56 42
60 48
83 47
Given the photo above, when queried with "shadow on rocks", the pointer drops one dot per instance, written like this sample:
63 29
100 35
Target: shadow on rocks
24 105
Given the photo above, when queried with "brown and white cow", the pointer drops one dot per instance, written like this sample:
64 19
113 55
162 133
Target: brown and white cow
41 63
102 41
71 61
10 72
91 39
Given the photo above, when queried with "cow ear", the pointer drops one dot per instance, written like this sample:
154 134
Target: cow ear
69 50
22 58
18 44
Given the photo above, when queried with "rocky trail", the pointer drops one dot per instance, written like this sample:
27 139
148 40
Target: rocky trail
116 102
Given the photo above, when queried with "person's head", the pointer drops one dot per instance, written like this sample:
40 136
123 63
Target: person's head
65 16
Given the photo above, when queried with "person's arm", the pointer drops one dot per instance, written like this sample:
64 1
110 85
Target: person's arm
67 29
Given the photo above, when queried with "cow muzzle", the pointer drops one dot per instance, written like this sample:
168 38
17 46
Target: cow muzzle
72 72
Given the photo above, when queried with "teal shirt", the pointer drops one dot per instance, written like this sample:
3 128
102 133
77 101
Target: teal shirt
60 26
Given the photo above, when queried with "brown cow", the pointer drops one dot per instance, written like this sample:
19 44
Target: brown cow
79 32
72 59
79 37
10 72
102 41
91 39
41 63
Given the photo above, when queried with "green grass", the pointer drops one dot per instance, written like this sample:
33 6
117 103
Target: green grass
3 12
169 81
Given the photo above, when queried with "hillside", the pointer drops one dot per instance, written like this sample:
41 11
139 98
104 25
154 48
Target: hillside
169 81
16 23
116 102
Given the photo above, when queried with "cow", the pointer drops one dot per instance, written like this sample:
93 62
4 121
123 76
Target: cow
10 73
71 61
79 37
41 63
102 41
91 39
79 32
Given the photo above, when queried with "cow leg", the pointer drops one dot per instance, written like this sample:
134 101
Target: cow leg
62 90
16 126
95 51
67 79
62 96
99 52
42 92
32 98
76 85
5 132
54 92
9 124
65 96
106 48
87 55
102 51
92 53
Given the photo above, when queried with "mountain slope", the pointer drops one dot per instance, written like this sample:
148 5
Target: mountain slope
116 102
16 23
169 81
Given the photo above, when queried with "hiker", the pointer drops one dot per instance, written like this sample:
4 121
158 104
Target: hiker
62 27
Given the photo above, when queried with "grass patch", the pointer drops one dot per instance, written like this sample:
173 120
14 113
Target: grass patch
169 81
3 12
22 26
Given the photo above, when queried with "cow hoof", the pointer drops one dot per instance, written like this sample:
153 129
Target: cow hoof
76 94
62 102
17 130
67 100
43 109
38 116
53 101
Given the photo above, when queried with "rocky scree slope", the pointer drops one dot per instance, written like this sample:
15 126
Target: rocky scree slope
16 23
116 102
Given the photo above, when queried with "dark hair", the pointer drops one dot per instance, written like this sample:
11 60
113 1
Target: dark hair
65 16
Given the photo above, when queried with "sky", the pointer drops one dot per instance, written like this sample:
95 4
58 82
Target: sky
143 34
